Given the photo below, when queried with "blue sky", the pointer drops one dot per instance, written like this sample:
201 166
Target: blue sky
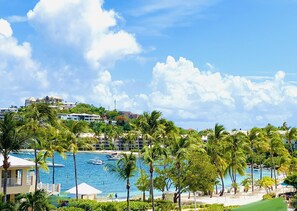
198 61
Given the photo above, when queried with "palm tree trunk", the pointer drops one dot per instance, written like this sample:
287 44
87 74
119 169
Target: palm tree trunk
36 169
143 195
195 200
5 166
75 176
128 194
261 170
223 186
152 186
252 174
53 162
179 189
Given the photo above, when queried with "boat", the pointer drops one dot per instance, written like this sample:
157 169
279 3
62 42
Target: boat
114 156
95 161
50 164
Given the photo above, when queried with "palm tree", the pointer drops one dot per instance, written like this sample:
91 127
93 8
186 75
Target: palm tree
291 135
72 133
275 147
53 144
253 136
142 183
38 117
236 149
125 168
215 148
150 155
179 149
36 201
12 138
149 126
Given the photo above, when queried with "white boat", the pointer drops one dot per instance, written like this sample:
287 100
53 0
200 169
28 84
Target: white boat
115 157
95 161
50 164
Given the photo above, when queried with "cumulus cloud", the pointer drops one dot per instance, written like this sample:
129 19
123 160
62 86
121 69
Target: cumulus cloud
184 92
107 92
86 26
18 71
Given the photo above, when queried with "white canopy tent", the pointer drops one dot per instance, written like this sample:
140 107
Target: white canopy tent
85 191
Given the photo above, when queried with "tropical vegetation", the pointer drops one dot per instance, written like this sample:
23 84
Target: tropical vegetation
177 159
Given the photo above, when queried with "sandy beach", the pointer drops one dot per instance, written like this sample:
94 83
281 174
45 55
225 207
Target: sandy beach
232 199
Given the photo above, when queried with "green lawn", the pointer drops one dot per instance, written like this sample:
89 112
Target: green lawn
277 204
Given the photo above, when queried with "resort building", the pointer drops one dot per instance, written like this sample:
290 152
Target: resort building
78 117
54 101
20 178
6 110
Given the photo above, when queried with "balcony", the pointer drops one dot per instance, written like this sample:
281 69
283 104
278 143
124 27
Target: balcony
12 182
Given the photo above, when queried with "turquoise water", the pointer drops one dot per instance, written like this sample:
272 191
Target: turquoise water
98 177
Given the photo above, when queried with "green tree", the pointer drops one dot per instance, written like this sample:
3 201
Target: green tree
151 154
236 149
179 149
12 138
216 150
276 147
38 117
74 141
37 201
125 168
53 144
200 174
267 183
143 183
291 180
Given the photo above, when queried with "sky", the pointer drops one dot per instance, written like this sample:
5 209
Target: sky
199 62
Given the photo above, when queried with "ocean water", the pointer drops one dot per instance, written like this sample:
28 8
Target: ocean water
98 177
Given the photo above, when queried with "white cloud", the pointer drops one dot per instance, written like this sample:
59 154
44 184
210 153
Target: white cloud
18 71
183 92
5 29
86 26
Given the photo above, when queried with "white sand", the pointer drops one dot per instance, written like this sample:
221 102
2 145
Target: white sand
231 199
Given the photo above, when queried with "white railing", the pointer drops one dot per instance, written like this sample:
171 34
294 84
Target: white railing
50 188
11 182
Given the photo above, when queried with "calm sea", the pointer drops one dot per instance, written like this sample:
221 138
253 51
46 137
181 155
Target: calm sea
97 176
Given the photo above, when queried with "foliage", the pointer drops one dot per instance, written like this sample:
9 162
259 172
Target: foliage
268 196
35 201
267 183
291 180
89 205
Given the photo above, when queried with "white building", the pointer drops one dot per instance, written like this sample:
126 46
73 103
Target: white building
78 117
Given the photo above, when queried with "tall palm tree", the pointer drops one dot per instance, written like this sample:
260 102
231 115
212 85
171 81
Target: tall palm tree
149 123
254 136
179 149
125 168
53 144
236 149
291 135
12 138
275 146
73 141
151 154
38 117
215 148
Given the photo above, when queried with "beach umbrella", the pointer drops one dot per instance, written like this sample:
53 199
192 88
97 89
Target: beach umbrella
84 189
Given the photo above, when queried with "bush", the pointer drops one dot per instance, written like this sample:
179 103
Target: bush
90 205
164 205
70 209
268 196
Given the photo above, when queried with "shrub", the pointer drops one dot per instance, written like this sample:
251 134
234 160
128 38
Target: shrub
268 196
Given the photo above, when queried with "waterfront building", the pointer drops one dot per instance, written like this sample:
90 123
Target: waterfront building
20 178
79 117
6 110
54 101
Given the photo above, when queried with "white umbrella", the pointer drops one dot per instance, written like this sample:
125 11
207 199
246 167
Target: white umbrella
84 189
